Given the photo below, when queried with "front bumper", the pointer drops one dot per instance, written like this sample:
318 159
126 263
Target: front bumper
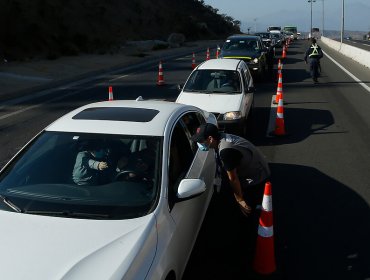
230 126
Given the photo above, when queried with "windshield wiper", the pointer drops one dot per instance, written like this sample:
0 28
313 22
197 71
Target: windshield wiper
68 214
10 204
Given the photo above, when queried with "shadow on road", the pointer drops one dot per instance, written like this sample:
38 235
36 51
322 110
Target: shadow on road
299 124
321 230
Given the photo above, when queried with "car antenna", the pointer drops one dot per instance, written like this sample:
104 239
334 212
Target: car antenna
140 98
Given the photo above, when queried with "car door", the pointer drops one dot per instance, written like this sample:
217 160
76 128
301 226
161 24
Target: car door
187 161
247 90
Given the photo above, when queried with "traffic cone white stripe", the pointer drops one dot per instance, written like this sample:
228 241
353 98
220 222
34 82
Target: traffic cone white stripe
110 93
265 231
267 203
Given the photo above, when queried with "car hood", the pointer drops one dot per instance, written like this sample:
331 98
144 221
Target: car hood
214 103
241 54
42 247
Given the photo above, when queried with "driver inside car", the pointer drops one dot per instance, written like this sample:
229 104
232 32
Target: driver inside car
138 166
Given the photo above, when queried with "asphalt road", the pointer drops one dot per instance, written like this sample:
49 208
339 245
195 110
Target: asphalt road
319 169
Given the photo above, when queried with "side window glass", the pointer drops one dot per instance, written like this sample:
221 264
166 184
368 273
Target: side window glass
180 159
245 79
191 121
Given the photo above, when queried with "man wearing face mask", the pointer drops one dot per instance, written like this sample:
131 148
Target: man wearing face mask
246 167
89 165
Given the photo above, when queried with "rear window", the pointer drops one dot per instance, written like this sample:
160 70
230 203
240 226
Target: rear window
242 44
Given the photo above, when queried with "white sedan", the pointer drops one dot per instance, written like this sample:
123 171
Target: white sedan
225 88
111 190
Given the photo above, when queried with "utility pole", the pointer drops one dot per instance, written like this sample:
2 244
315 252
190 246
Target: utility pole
342 28
310 1
322 32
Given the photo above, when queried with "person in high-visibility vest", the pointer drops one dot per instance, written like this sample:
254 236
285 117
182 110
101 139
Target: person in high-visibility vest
314 54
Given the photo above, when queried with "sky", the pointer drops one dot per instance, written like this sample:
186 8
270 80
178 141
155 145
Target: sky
258 14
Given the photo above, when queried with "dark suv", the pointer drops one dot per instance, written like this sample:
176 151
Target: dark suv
248 48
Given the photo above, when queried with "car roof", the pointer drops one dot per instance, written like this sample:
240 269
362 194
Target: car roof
220 64
130 117
241 36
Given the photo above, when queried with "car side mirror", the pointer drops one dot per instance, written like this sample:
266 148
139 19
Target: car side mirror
189 188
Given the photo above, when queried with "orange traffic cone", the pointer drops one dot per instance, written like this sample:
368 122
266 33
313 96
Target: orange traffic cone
284 52
264 259
208 56
110 94
279 122
280 68
193 65
160 75
279 90
217 52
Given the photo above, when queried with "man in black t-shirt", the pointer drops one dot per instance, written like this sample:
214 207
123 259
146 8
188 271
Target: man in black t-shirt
245 165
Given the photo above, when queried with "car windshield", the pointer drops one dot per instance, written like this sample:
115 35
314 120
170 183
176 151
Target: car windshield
214 81
244 44
275 35
82 175
264 35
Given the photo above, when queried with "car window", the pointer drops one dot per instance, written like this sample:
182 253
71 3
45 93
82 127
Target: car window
180 159
214 81
110 176
191 121
244 44
245 79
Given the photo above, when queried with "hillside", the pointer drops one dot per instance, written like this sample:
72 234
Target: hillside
42 28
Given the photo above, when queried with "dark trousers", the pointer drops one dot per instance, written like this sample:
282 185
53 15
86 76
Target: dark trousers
314 64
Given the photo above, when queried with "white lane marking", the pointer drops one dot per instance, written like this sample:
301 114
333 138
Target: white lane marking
183 58
349 73
3 117
24 77
366 45
119 77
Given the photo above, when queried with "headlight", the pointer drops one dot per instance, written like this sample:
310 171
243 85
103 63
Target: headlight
254 61
232 116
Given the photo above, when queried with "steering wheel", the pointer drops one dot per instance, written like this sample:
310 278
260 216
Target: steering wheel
125 175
